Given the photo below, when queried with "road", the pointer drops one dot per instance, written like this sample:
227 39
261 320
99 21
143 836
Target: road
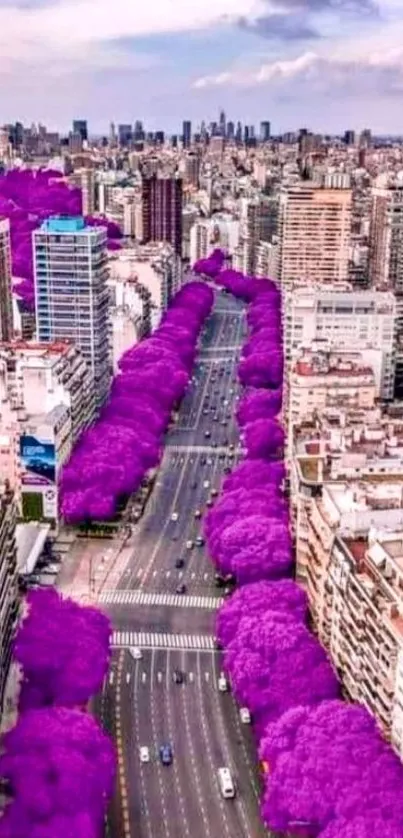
141 704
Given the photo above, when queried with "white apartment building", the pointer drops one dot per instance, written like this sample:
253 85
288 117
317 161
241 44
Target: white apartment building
363 321
9 596
356 593
71 292
46 392
143 280
219 231
328 380
386 259
314 235
84 179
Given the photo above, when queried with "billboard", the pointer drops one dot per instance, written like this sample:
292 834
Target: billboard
38 461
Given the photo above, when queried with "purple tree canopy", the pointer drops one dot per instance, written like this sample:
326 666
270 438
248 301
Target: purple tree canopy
256 599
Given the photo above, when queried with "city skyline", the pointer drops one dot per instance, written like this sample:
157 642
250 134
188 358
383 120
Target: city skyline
281 60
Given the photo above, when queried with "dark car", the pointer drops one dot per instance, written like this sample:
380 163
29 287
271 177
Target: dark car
180 563
194 485
178 676
181 589
166 755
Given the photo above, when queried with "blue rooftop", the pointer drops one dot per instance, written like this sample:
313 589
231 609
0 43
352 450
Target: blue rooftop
64 224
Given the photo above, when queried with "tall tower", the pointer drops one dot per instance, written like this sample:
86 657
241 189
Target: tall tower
386 259
314 235
80 127
187 134
6 306
162 210
71 293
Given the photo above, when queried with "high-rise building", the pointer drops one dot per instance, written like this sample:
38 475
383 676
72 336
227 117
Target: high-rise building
223 124
187 134
125 135
9 596
386 259
80 127
334 318
84 179
162 210
349 137
71 292
265 130
6 306
314 235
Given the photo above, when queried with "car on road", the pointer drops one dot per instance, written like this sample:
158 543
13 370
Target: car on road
137 654
222 684
174 516
206 484
245 716
214 493
189 545
199 541
144 754
179 563
178 676
166 754
181 589
197 514
226 783
194 485
207 434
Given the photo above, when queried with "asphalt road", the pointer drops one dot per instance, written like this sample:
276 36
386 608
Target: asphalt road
140 703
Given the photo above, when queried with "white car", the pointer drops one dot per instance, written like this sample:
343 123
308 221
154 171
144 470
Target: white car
245 716
206 484
189 545
222 683
174 516
137 654
144 754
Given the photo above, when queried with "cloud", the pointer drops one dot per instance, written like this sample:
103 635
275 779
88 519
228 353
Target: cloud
313 73
284 27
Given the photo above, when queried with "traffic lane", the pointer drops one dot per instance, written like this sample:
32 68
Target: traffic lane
158 518
179 808
156 819
234 744
186 758
163 619
200 729
138 797
105 707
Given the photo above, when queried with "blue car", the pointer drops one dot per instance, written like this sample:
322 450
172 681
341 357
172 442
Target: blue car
166 755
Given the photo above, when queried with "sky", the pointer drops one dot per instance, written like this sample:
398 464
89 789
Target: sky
327 65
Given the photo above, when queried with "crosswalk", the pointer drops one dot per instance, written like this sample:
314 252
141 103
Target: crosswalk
209 603
199 449
156 640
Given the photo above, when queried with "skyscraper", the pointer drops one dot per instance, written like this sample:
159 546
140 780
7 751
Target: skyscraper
71 293
6 307
265 130
386 259
223 124
80 127
314 235
125 134
187 134
162 210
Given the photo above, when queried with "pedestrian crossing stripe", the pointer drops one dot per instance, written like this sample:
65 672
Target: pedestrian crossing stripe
157 640
209 603
200 449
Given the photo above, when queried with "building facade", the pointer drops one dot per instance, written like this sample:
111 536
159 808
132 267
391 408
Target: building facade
314 232
6 306
162 211
71 292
